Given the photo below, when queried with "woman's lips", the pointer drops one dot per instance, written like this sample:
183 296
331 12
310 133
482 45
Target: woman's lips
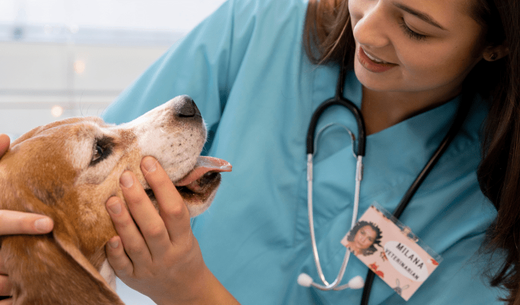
372 63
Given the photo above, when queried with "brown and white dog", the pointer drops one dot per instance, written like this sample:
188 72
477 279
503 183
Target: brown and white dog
67 170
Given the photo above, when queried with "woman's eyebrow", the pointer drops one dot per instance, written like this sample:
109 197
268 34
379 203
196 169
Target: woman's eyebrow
423 16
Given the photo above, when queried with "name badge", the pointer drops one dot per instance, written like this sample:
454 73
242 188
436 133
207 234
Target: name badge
391 251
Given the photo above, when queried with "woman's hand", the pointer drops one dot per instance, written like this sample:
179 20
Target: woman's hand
158 254
12 222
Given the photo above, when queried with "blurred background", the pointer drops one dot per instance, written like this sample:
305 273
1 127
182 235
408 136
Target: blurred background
64 58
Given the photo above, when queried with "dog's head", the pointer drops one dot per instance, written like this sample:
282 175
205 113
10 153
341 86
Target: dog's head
68 169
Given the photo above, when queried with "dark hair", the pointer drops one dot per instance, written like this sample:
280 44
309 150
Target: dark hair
377 240
327 35
499 171
328 39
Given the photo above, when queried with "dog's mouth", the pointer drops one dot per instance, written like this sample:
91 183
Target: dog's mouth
200 184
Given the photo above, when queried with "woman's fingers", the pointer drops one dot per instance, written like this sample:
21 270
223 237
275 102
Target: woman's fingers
13 222
145 215
129 233
4 144
173 253
146 234
5 286
173 211
118 259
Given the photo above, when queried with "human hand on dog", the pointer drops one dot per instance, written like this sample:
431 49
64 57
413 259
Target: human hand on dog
158 254
12 222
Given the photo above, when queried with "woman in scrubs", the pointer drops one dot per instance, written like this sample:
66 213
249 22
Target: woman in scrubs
257 70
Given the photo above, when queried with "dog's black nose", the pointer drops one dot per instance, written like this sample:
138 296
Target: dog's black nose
188 109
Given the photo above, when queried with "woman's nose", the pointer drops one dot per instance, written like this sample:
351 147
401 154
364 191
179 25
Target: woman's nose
370 29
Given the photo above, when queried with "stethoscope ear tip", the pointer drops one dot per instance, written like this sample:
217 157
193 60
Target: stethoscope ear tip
356 283
304 280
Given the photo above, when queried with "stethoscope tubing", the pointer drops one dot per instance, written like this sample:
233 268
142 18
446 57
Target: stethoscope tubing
359 176
339 100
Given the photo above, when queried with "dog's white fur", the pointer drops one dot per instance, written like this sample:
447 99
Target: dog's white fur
67 170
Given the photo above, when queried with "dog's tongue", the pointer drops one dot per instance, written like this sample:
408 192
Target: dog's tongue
202 167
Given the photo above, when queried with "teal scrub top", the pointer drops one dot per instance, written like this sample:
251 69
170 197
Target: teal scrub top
247 71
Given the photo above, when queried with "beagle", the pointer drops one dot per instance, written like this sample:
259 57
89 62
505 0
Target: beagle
67 170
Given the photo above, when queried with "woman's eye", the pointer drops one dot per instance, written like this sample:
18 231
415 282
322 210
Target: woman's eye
411 33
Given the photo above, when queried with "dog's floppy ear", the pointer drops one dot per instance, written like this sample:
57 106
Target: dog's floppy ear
50 269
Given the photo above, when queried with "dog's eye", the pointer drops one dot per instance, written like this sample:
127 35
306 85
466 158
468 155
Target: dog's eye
98 153
101 150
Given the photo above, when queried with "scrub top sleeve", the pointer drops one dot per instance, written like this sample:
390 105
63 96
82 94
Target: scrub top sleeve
198 65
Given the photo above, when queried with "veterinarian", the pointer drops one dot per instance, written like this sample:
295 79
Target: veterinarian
258 69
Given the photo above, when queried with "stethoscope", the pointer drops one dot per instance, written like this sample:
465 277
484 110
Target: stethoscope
359 152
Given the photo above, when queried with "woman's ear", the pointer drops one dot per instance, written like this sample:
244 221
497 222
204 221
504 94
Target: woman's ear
493 53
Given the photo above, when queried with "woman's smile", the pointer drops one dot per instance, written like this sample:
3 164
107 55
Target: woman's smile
372 63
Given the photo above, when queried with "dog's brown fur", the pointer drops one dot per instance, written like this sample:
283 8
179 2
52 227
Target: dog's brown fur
44 172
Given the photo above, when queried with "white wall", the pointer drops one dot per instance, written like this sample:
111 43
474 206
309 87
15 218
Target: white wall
80 54
82 79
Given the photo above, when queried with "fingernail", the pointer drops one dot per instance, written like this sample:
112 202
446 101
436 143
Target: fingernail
127 180
113 243
43 225
115 207
149 164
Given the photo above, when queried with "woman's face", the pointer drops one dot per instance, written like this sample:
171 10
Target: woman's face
364 237
417 46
